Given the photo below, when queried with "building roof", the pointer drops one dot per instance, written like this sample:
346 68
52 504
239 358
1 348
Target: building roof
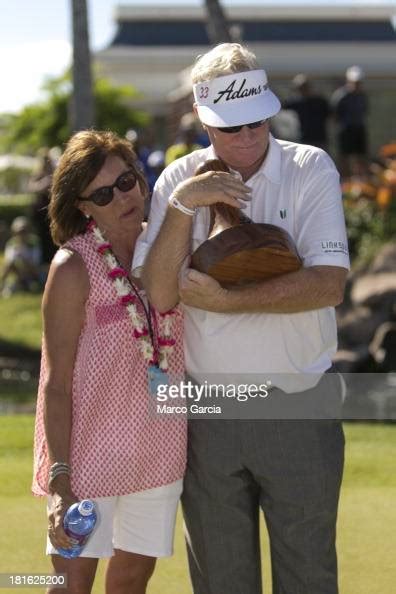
161 25
150 33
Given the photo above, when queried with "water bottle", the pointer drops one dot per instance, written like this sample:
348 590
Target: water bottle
78 523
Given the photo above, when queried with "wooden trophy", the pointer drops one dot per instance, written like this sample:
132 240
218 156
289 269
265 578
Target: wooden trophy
239 251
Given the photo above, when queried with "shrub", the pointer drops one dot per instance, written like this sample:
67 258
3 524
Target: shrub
368 228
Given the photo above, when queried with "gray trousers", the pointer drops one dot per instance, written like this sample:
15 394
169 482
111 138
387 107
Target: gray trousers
292 470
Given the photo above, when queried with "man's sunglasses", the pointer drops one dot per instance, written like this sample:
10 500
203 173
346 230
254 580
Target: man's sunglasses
103 196
235 129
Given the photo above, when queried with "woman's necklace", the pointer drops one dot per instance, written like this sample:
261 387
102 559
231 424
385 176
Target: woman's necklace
155 343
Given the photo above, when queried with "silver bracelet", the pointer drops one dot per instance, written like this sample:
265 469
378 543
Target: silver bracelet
173 201
57 465
57 469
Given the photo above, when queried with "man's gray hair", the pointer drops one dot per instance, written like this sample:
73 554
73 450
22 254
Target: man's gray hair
223 59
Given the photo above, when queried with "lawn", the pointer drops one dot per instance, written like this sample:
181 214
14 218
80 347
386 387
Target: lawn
366 530
21 320
20 338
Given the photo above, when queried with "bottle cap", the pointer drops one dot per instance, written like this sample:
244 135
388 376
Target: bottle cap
86 507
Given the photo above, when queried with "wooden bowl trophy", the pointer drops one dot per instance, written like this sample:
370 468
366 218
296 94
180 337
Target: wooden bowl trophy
238 251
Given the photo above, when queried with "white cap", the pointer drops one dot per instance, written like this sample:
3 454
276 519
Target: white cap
86 507
354 74
235 99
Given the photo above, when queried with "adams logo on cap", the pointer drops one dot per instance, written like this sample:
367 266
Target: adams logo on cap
231 93
235 99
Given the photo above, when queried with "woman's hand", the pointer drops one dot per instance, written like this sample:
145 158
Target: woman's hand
61 499
211 187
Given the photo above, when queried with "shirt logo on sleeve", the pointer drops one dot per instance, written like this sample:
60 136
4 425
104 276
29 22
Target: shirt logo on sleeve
334 247
282 213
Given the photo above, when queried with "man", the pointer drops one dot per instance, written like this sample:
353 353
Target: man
22 259
284 326
350 106
187 139
312 110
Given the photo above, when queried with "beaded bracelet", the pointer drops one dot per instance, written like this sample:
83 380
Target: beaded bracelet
173 201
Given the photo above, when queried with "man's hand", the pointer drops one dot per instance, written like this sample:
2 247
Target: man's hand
303 290
202 291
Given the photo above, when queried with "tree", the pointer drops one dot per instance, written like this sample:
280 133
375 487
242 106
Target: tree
82 105
46 123
217 26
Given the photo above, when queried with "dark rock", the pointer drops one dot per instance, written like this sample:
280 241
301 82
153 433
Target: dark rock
377 291
358 360
358 326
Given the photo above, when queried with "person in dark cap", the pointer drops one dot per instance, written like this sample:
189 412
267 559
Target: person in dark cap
350 107
187 139
312 109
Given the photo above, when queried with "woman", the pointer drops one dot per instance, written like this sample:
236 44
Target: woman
95 435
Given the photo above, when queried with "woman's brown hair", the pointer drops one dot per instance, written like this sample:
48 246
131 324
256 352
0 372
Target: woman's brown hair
80 163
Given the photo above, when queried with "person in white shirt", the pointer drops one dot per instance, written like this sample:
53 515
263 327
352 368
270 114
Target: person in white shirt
282 329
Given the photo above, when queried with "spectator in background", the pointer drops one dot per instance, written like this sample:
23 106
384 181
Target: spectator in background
350 106
22 258
312 110
141 146
155 166
40 185
285 125
187 139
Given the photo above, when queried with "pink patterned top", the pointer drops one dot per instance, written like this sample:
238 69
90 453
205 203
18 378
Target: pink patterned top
118 445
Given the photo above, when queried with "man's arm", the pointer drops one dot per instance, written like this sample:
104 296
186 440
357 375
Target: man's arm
307 289
172 245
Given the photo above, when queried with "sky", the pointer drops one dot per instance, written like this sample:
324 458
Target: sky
35 39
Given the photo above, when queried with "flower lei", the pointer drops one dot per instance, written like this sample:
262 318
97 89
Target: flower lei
129 299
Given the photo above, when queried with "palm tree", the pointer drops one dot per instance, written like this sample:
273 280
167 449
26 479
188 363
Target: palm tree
82 108
217 26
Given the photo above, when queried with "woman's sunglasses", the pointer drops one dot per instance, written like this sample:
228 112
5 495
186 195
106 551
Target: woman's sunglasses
103 196
235 129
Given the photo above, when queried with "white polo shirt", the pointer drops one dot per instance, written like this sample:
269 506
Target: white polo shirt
296 188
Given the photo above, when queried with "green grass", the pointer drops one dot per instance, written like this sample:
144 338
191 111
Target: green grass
366 528
20 336
21 320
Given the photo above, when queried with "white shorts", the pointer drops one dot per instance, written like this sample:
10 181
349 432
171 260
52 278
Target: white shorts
142 523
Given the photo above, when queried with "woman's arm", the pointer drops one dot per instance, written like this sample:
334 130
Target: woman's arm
172 244
65 295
